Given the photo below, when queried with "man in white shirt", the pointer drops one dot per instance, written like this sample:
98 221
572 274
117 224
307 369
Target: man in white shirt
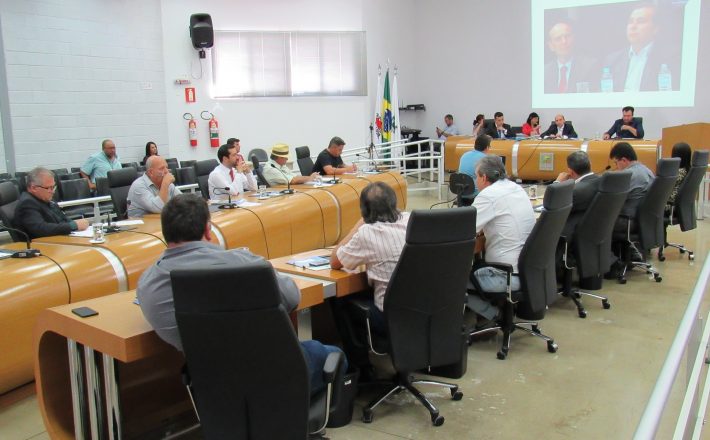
226 179
505 217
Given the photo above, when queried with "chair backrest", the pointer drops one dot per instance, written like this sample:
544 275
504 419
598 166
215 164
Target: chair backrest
59 172
203 168
69 176
248 372
259 170
260 154
536 263
592 236
5 176
172 163
102 186
75 169
119 182
649 217
688 191
424 313
21 177
75 189
185 176
304 161
461 184
8 202
187 163
129 165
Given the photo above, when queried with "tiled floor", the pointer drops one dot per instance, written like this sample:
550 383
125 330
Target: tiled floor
596 386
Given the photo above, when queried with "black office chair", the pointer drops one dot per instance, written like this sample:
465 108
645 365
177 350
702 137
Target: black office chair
683 211
259 171
69 176
173 164
463 186
645 231
75 169
536 264
187 163
260 154
516 129
119 182
304 161
589 248
424 313
203 168
74 190
9 196
5 176
129 165
58 172
21 177
185 176
247 371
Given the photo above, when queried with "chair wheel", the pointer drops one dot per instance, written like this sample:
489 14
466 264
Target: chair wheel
606 304
661 257
552 347
691 256
456 394
621 280
582 313
658 278
682 251
535 329
366 416
437 420
501 355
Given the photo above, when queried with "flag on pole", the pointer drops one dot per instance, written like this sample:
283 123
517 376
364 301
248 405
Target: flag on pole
396 134
386 110
377 121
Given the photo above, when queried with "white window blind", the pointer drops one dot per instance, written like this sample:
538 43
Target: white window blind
261 64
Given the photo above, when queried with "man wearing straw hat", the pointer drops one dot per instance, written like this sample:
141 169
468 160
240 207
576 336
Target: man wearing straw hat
276 172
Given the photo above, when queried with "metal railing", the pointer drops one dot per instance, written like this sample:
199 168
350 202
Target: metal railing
692 413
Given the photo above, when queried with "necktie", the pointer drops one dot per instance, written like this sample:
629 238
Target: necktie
231 174
562 88
501 134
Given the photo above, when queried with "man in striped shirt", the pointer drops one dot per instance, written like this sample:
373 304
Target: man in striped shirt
376 242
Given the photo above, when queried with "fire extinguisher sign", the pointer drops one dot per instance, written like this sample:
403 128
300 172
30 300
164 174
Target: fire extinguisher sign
189 94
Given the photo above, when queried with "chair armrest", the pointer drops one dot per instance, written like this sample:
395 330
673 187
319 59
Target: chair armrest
331 368
508 268
360 307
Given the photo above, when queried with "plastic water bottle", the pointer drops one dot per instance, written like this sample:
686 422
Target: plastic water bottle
664 79
607 83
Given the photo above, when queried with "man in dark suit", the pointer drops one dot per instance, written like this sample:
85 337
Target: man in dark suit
586 185
499 129
568 72
37 214
636 68
627 127
560 129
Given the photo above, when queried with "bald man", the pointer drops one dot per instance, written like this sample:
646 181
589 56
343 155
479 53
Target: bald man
568 72
560 129
150 192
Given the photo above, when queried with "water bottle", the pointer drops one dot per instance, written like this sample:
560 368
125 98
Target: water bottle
607 83
664 79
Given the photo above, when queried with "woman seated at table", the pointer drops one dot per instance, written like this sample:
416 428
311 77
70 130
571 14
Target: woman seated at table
532 125
683 151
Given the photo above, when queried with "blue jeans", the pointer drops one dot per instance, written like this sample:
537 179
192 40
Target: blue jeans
491 280
316 354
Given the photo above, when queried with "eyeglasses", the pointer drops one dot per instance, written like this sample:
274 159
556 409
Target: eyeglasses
48 188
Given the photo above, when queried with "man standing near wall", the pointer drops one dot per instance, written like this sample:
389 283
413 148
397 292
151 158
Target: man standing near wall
99 164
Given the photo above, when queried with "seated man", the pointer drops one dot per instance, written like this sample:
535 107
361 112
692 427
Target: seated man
625 158
37 214
499 129
376 241
560 129
186 227
627 127
586 186
505 217
469 160
449 130
276 172
225 179
99 164
329 162
152 190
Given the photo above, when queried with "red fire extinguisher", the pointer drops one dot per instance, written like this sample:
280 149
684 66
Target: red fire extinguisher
191 128
214 128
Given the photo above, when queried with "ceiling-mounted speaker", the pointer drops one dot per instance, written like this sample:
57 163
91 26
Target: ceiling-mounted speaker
201 31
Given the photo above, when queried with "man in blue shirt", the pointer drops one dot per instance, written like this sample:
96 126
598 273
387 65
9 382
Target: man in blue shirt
469 160
99 164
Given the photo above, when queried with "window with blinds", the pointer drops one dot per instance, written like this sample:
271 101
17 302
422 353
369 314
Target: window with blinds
263 64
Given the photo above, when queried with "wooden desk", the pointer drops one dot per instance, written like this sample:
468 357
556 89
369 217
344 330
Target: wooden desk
346 283
149 389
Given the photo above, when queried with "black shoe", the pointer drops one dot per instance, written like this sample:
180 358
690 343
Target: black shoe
614 271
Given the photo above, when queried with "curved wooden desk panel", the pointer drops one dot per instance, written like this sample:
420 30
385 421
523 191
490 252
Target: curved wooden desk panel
552 152
331 210
291 223
241 228
451 159
27 287
136 251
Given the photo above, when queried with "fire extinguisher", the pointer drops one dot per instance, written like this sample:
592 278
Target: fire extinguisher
214 129
191 128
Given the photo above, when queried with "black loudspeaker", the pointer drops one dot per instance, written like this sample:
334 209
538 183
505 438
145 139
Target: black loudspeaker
201 31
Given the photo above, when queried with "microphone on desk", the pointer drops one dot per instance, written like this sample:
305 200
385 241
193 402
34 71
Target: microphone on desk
226 190
288 189
25 253
110 228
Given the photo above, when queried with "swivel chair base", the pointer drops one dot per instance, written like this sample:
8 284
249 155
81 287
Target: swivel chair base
534 330
407 382
576 294
681 248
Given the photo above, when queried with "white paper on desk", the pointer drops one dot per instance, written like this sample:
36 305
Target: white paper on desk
246 204
321 185
86 233
126 223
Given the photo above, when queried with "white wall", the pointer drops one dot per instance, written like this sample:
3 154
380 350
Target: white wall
477 60
78 73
